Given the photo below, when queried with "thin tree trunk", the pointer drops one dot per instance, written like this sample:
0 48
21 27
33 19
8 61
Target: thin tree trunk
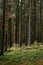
29 28
20 23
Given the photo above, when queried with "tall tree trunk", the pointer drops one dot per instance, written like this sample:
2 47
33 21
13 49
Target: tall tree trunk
29 24
6 24
17 23
20 23
38 21
33 22
10 32
42 19
3 29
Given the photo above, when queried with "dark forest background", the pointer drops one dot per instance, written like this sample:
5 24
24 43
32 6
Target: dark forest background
21 22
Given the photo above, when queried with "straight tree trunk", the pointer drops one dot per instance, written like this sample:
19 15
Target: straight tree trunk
20 23
29 24
3 29
17 23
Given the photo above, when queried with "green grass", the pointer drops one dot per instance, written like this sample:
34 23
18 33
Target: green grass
16 57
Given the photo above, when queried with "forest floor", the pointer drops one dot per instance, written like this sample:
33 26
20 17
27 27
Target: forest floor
23 56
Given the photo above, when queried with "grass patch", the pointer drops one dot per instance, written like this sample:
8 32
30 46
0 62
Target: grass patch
20 57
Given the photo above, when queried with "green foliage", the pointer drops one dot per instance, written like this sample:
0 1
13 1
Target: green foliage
15 57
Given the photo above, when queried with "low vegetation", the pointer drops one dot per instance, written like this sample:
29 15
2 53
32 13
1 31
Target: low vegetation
33 56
